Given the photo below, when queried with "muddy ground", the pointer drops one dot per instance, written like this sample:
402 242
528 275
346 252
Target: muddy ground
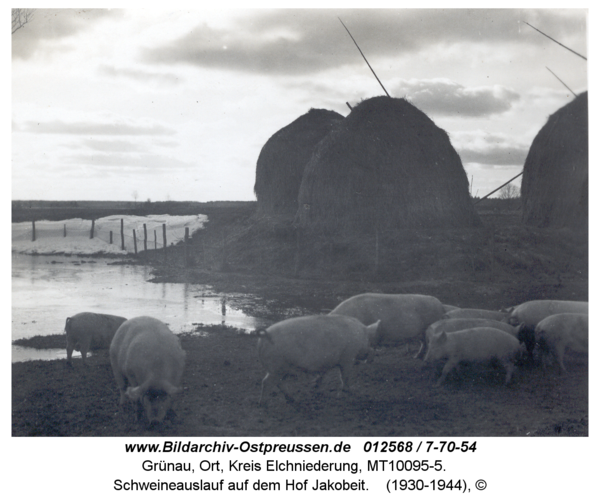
495 267
393 396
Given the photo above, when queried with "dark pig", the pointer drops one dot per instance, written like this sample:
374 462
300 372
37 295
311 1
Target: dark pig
89 331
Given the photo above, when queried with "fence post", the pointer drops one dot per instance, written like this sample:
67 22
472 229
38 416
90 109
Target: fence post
186 246
92 229
64 230
164 226
110 237
145 238
134 243
155 240
33 230
122 236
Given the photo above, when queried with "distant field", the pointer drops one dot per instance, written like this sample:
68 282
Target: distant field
24 211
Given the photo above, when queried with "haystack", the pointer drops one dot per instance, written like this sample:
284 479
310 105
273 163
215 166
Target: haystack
554 191
386 166
282 160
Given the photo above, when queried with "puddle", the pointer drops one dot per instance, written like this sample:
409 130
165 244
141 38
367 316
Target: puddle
48 289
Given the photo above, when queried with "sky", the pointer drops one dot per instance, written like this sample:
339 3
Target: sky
147 104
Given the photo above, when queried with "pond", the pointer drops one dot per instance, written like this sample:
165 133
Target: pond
48 289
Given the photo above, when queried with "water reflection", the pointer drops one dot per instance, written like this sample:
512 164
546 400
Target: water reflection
21 354
46 290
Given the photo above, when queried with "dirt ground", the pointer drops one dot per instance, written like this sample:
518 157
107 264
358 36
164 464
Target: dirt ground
393 396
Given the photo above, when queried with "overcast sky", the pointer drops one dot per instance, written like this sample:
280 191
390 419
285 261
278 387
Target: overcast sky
149 104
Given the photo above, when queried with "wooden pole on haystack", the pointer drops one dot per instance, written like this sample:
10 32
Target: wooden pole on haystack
572 92
496 190
562 45
361 53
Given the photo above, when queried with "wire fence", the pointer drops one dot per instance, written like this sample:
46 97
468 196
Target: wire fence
109 234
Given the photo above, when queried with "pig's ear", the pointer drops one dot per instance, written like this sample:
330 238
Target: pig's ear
443 336
170 389
133 393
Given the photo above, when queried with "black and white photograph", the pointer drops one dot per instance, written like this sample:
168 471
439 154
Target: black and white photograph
299 222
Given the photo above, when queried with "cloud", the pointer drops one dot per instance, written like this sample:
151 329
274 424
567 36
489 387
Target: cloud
498 155
435 97
242 51
144 161
91 128
492 149
53 25
443 97
140 75
296 42
112 145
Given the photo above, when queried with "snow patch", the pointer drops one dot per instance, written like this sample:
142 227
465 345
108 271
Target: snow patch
50 236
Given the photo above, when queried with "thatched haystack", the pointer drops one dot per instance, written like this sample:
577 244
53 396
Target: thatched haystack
282 160
386 166
554 190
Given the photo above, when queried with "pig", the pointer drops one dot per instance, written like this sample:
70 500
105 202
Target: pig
476 313
527 315
558 332
147 362
455 324
314 344
474 345
448 307
403 316
86 331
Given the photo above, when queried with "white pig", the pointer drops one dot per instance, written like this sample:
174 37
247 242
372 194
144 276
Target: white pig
479 344
403 316
528 314
147 362
561 331
476 313
448 307
455 324
313 344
